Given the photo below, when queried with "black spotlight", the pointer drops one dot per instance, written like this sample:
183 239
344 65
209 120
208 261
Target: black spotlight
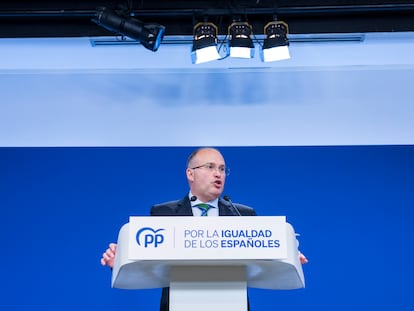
241 45
149 35
276 44
204 43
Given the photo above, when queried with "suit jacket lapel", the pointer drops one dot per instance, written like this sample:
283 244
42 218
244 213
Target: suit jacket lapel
184 207
225 208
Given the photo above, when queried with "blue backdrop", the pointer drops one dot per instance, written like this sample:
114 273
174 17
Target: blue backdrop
353 207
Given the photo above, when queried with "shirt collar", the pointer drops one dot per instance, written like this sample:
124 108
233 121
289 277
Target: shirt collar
212 203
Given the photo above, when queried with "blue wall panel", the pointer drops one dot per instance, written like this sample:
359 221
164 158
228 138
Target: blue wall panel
353 207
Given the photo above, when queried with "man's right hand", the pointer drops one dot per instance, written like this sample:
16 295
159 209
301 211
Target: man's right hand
108 257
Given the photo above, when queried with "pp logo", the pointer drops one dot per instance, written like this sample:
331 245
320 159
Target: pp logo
148 236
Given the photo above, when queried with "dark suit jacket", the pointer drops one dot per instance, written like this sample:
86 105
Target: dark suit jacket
183 208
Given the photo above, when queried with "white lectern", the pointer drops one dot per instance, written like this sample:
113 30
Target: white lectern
208 262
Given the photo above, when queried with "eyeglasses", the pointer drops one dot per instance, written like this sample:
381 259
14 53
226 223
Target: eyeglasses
212 167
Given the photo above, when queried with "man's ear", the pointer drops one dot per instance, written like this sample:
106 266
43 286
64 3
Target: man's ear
190 174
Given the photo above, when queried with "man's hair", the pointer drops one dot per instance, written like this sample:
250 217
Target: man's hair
195 152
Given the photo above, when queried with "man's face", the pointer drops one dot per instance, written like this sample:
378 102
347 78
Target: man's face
205 174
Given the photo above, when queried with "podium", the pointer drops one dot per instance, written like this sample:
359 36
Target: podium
207 262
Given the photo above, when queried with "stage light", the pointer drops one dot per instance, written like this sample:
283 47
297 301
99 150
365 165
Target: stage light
276 44
240 45
149 35
204 43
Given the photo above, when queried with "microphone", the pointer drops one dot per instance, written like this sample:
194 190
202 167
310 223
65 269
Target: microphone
227 198
193 198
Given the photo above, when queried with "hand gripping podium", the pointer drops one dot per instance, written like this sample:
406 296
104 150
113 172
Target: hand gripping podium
208 262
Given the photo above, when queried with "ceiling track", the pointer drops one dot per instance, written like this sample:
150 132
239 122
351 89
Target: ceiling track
283 11
185 40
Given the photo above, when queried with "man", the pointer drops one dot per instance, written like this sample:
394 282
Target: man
206 174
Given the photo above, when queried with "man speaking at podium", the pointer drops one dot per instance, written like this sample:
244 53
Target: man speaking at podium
206 174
